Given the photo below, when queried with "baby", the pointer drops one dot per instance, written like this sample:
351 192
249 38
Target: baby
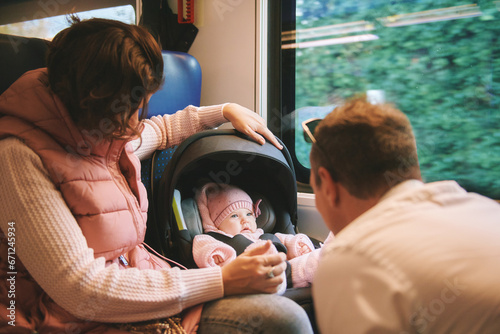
228 216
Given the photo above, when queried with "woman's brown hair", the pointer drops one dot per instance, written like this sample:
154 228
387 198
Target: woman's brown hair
103 71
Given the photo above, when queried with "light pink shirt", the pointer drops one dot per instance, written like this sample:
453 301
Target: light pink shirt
425 259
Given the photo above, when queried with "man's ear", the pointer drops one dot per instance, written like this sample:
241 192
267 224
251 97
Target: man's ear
330 186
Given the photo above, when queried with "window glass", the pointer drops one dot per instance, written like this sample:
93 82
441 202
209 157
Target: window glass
437 60
48 27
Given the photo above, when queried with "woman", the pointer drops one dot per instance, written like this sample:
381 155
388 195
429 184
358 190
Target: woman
73 209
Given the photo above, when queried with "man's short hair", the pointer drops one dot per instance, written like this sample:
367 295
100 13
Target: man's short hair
369 147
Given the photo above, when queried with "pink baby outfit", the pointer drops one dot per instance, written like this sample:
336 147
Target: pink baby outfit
87 171
216 202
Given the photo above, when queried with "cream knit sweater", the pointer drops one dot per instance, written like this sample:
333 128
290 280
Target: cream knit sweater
50 244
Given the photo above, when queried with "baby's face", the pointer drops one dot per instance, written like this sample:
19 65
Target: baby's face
239 221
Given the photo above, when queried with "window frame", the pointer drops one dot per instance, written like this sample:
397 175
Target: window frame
282 84
19 11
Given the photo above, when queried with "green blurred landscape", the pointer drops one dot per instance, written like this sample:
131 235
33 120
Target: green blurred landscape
445 75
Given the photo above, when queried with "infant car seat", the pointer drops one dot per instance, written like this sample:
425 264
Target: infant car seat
222 156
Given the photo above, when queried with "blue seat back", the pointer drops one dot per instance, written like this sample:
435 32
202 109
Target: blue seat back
182 85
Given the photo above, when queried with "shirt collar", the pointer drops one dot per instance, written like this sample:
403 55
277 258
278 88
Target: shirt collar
401 188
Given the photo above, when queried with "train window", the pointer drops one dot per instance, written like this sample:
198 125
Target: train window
438 61
44 19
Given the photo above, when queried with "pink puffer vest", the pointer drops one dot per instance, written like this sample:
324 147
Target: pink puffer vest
88 170
100 182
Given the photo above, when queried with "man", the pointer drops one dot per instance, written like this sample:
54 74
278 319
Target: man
407 257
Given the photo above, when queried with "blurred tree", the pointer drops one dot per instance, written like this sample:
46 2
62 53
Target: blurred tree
444 75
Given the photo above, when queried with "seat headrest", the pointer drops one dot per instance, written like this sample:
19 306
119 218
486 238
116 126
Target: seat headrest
266 220
19 55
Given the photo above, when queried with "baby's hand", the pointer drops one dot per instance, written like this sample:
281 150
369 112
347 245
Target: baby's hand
305 248
299 245
208 252
218 260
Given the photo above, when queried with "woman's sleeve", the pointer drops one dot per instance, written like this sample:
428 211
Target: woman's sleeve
165 131
51 246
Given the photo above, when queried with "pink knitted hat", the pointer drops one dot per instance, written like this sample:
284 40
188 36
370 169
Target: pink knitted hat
217 200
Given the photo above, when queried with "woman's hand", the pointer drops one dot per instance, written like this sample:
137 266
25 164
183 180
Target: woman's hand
248 122
250 272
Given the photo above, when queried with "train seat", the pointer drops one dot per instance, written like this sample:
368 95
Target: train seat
182 87
182 72
19 55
